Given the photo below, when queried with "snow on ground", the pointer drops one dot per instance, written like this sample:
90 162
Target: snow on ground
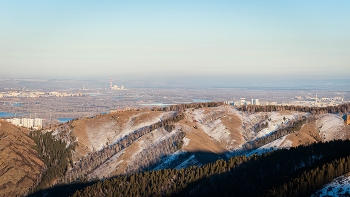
150 139
107 167
186 141
188 162
100 135
276 121
198 114
169 160
248 122
280 143
330 126
144 142
338 187
201 115
130 127
217 130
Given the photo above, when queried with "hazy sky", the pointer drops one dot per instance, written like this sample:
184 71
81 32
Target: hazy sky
174 39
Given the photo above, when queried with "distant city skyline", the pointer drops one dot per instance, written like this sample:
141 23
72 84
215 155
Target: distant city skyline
176 40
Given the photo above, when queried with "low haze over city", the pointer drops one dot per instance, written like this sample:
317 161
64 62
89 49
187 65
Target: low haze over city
211 43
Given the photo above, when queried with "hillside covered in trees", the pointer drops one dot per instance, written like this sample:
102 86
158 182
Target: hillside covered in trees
194 150
295 172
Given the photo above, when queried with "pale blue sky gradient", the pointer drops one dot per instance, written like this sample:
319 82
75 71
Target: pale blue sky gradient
130 39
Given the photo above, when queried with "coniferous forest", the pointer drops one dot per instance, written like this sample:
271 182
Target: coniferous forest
299 171
296 172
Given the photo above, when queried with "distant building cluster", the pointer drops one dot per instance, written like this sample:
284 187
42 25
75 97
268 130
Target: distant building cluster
243 102
35 94
115 111
64 94
317 102
36 123
115 87
296 101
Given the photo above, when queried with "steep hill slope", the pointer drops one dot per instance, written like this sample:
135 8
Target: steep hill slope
94 134
20 166
299 171
131 141
321 128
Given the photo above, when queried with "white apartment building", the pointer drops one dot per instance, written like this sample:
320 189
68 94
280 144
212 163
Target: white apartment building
255 102
27 122
36 123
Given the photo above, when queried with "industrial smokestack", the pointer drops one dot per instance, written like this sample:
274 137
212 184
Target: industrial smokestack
110 83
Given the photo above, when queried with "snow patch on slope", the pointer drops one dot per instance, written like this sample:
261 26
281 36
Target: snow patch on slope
248 122
100 135
131 127
214 127
198 114
109 133
150 140
217 130
276 121
188 162
186 141
107 167
339 186
330 126
169 160
272 146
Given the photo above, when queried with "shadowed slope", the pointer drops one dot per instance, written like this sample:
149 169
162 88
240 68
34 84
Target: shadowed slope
20 167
